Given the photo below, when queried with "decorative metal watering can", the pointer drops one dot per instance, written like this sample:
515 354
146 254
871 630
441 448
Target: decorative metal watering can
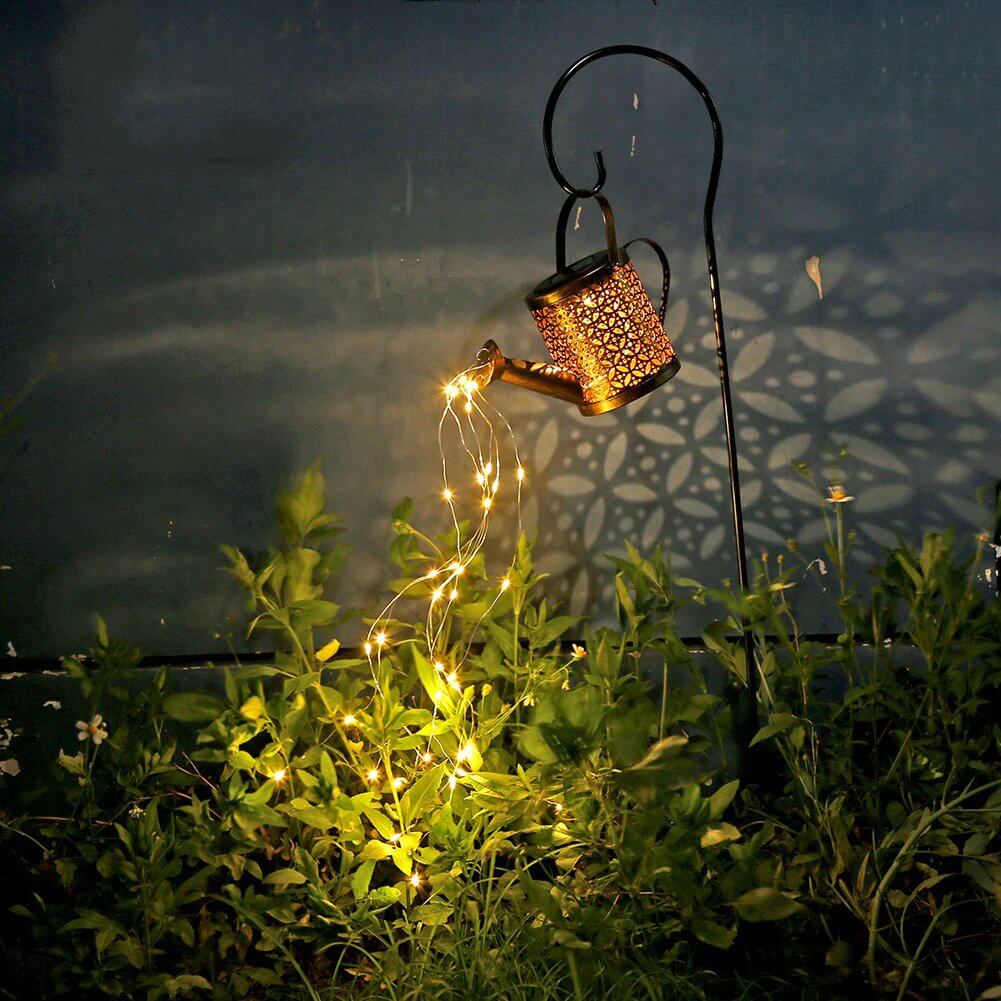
606 339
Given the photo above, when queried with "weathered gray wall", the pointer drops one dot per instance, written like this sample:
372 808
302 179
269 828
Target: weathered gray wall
256 234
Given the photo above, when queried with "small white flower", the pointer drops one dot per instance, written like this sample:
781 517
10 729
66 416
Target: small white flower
836 495
10 766
94 730
52 704
11 652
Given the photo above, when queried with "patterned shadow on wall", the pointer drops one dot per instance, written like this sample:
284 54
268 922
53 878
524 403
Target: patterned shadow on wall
881 364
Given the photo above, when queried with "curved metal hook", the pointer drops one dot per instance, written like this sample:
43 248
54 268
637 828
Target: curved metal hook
627 50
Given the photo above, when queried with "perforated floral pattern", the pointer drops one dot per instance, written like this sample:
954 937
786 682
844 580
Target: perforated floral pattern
608 335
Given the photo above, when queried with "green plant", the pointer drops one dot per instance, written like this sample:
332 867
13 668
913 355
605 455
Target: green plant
893 800
527 816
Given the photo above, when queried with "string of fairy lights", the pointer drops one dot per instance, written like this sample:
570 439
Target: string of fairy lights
484 437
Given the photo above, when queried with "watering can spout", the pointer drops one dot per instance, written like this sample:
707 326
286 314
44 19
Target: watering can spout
540 377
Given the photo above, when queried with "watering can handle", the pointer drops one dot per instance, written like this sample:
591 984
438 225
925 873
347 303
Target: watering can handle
613 249
665 266
561 230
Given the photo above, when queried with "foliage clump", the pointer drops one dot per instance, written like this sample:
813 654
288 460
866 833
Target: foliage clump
537 817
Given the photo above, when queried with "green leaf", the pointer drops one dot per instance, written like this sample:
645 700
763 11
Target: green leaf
72 763
711 933
328 650
666 766
777 723
312 816
193 707
662 751
300 508
839 955
629 733
533 744
239 567
432 913
130 949
284 877
376 851
433 684
379 821
361 879
327 770
313 613
722 798
718 835
419 795
185 983
549 633
765 904
253 708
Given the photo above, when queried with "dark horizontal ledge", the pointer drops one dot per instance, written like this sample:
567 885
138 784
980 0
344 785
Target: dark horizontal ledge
41 665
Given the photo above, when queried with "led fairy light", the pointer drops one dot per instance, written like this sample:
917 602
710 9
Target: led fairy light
472 421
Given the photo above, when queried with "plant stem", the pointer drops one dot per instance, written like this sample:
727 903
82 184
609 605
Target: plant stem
663 701
578 990
877 901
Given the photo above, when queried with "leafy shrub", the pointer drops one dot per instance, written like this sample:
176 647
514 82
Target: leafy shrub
537 819
892 799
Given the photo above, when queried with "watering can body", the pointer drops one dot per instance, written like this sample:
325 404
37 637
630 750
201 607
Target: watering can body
605 337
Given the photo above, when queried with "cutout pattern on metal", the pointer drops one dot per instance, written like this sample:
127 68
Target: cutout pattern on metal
608 335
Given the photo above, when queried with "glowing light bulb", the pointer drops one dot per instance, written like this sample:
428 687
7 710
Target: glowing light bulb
279 776
451 392
465 753
454 594
439 666
447 494
380 639
436 594
394 837
488 468
349 720
453 680
468 407
452 782
426 757
486 503
520 474
438 695
368 649
480 479
505 583
458 569
399 782
373 775
431 574
415 880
